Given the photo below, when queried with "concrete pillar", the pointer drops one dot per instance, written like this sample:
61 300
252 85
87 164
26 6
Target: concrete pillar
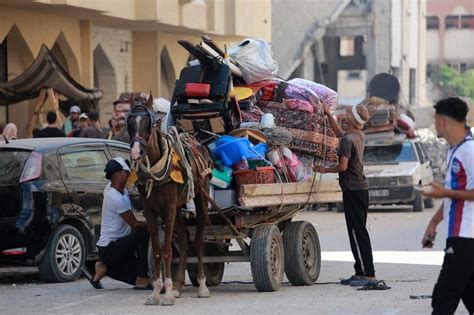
308 66
146 62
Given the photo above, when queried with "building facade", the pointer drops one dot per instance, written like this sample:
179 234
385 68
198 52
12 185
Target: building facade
118 46
344 43
450 34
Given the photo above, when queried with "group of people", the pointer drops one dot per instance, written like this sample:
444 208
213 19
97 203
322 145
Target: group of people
77 124
123 241
456 280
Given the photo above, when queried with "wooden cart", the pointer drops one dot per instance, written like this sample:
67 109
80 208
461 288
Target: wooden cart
268 238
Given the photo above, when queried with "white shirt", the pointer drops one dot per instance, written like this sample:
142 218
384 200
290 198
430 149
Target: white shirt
113 227
458 215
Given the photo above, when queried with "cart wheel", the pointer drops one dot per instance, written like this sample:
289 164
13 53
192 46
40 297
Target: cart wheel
267 257
213 271
302 253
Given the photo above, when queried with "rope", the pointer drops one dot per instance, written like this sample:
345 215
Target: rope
178 145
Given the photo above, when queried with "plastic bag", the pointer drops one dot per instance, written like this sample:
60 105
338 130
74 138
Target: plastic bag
255 60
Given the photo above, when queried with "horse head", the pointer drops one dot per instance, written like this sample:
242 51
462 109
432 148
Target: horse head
140 125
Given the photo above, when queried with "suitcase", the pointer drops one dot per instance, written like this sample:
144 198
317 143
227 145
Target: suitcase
221 116
218 77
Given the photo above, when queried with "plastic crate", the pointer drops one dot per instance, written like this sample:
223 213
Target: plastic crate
262 175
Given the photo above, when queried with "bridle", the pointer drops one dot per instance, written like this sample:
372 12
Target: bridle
140 110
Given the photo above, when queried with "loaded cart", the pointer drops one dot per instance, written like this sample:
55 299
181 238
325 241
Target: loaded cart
259 183
265 234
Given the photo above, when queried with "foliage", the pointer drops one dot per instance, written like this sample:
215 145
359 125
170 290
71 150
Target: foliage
461 83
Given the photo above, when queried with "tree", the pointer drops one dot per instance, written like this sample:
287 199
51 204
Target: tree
461 83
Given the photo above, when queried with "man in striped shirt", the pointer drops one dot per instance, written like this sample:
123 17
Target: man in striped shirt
456 280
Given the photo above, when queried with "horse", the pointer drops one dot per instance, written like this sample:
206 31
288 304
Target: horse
155 157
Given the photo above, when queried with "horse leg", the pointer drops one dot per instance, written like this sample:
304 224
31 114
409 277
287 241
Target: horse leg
169 298
201 208
152 222
182 232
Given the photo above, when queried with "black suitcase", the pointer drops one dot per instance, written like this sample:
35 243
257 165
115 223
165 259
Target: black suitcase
218 77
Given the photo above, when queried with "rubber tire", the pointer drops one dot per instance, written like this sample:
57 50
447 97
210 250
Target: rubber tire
339 207
261 257
214 272
48 268
429 203
418 203
295 266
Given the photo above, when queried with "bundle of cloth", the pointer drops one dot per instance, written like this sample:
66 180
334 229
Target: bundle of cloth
296 105
121 108
388 118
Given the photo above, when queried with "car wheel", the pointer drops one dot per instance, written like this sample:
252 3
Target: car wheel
429 203
64 257
418 203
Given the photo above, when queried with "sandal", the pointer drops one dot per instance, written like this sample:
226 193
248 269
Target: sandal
96 284
378 285
349 280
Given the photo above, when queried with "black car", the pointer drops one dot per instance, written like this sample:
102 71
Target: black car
50 202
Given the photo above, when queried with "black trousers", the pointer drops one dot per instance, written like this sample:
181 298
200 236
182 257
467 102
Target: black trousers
356 206
456 279
126 258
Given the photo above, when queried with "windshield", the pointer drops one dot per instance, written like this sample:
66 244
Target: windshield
390 153
11 165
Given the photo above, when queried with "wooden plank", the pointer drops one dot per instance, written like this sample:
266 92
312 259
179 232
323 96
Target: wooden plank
233 68
289 188
53 97
38 106
265 201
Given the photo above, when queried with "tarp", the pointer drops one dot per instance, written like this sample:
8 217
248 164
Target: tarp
44 72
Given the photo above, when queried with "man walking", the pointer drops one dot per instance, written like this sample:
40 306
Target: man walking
355 193
456 280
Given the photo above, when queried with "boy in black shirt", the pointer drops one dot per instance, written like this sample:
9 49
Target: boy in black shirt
52 131
355 191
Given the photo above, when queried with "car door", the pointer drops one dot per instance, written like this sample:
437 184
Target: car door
425 168
82 171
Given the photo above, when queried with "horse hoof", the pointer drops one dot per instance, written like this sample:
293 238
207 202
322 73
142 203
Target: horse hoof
204 293
167 301
152 301
177 293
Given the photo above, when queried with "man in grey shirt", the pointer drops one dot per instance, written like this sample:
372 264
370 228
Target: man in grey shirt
355 193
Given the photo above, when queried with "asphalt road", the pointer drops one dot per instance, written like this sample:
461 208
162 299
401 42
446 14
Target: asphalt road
399 260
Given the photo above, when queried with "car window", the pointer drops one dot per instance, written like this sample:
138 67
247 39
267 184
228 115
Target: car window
11 165
87 165
118 152
396 153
